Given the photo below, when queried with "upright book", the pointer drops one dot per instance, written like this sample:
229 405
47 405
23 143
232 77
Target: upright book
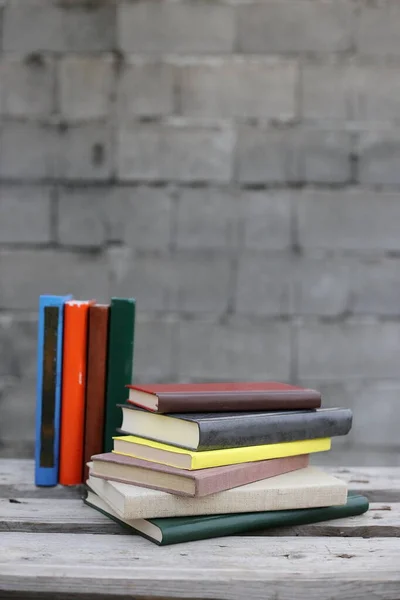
48 388
305 488
73 392
203 482
218 397
96 381
189 459
120 363
214 431
175 530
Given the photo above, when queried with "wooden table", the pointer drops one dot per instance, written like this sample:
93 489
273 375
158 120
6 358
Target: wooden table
53 546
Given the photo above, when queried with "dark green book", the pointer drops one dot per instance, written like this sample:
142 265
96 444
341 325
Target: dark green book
187 529
121 340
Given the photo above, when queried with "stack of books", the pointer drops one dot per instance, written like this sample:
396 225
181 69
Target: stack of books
84 361
195 461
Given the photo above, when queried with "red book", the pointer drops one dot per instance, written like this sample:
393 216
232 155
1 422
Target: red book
73 392
95 382
219 397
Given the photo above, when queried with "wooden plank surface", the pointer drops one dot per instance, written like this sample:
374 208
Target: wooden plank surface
379 484
73 516
231 569
51 543
17 480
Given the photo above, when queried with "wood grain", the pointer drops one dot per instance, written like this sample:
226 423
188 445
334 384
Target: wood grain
231 569
72 516
53 546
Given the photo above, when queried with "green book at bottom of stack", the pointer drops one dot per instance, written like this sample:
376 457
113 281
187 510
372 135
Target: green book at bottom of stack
173 530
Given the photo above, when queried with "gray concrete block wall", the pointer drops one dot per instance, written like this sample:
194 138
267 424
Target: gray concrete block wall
233 165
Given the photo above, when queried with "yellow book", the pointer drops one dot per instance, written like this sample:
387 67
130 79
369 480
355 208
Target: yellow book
180 458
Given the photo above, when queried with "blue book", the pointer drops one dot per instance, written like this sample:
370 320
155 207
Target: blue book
48 388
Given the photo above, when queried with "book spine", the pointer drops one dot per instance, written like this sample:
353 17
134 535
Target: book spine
260 429
48 389
96 382
120 364
238 401
73 393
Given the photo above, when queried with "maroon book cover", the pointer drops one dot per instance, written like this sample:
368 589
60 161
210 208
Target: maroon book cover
218 397
96 382
205 481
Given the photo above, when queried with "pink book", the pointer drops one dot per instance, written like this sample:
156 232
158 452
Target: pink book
182 482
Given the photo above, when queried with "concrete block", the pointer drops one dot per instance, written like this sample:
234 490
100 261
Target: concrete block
324 156
146 89
379 155
28 151
265 156
238 350
155 349
86 152
376 287
375 406
200 284
377 29
18 341
85 87
348 350
377 91
27 86
25 214
264 285
348 219
17 425
179 153
179 282
25 274
175 27
45 25
323 287
82 217
285 27
326 92
207 219
239 87
144 277
266 219
147 218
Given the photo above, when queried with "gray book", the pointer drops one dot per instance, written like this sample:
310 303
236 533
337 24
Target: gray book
216 431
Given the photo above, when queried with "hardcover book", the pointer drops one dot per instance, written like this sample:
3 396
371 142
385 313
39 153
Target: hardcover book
214 431
48 388
189 459
305 488
95 382
125 469
219 397
120 363
73 392
175 530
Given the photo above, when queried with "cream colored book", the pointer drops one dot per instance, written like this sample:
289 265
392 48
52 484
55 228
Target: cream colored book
305 488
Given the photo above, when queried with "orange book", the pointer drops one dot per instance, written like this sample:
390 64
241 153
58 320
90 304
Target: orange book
73 392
